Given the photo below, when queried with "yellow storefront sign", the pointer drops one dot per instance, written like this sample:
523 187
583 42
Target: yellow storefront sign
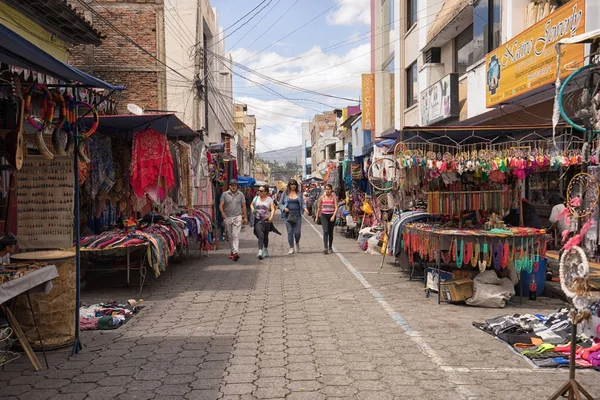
528 61
368 102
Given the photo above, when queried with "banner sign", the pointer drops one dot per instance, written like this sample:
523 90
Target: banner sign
528 61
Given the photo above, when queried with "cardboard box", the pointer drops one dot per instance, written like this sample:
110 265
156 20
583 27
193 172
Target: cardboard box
456 290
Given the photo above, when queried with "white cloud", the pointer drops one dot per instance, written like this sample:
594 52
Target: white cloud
279 122
351 12
314 69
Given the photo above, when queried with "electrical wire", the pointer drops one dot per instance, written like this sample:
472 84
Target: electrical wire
241 26
130 40
255 25
294 31
272 25
285 84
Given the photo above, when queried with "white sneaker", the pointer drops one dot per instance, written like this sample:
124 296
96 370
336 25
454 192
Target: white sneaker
291 250
260 255
297 247
265 253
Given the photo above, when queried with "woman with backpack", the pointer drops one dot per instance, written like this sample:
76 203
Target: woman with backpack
327 207
292 204
263 209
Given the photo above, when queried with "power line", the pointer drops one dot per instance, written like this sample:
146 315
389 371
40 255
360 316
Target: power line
285 84
343 43
294 31
241 26
130 40
255 25
272 25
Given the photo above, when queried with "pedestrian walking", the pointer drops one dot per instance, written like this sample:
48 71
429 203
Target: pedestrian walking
263 209
292 204
327 207
279 197
233 211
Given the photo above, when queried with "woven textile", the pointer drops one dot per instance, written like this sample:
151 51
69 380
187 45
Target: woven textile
151 164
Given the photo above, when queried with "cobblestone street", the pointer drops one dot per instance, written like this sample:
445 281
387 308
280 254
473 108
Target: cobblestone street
307 326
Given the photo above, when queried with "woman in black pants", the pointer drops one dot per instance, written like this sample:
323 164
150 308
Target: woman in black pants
327 207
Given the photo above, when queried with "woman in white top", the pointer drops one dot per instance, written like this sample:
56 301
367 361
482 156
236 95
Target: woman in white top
557 202
263 209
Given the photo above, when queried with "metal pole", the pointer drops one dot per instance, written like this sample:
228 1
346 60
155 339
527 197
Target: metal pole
77 344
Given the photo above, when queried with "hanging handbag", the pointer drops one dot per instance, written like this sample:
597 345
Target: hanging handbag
292 219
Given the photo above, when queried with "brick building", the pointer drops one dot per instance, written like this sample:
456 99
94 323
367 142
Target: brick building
119 61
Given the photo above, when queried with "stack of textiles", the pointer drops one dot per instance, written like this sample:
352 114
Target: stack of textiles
395 243
163 238
199 225
544 339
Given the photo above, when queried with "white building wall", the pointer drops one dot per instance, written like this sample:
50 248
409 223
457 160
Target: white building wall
306 144
180 20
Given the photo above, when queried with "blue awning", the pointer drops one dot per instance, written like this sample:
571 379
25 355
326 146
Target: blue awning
246 180
125 124
19 52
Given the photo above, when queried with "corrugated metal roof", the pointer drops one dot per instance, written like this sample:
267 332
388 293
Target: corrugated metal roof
60 18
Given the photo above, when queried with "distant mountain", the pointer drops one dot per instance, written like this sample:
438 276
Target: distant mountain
289 154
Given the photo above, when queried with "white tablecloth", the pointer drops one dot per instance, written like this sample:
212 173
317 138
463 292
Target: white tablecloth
37 281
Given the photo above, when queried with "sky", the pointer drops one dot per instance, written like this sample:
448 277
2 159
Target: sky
328 55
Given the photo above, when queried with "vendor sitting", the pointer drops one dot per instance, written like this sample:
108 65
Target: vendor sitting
8 246
530 217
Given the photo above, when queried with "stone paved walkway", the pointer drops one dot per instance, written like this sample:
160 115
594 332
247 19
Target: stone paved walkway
308 326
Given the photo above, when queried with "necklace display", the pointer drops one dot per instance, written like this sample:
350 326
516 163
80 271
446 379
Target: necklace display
467 253
475 255
459 256
498 256
504 260
447 256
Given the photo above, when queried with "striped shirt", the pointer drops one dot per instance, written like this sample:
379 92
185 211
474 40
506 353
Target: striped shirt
328 205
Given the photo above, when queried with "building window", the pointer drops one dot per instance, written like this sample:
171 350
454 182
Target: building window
487 27
392 18
411 13
412 85
464 50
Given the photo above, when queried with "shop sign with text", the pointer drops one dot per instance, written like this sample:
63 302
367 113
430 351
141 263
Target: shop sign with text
368 99
528 61
440 100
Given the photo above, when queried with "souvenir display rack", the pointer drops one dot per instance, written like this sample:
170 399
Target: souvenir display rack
520 249
45 203
453 203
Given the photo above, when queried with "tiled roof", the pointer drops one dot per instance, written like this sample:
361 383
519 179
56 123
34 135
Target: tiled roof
60 18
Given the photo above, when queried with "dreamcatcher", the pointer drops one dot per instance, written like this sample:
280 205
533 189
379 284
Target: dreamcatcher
384 174
582 195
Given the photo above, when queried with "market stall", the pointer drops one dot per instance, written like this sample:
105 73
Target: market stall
151 199
470 185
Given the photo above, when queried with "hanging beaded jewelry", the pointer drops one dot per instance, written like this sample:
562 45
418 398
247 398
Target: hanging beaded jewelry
475 255
498 256
446 256
505 255
467 253
459 256
511 257
453 248
484 262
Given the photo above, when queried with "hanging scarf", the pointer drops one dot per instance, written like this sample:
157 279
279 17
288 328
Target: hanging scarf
151 164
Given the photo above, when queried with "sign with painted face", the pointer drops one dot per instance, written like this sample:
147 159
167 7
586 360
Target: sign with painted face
528 61
440 100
